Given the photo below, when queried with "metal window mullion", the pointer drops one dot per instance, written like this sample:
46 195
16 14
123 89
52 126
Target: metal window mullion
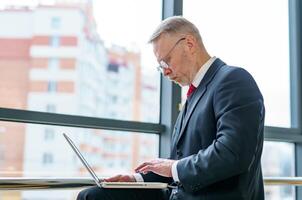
282 134
295 19
34 117
170 93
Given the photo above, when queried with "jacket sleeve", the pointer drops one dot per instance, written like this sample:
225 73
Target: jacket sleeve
239 113
152 177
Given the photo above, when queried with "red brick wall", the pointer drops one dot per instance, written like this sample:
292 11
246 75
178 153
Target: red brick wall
14 83
40 40
68 41
65 86
39 63
66 63
45 40
38 86
14 48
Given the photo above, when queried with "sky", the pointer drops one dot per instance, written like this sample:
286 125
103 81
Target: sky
116 25
253 35
126 27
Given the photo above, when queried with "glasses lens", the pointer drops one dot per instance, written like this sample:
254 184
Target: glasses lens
163 64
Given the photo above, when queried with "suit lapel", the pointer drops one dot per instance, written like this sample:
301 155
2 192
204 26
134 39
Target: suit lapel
198 94
179 123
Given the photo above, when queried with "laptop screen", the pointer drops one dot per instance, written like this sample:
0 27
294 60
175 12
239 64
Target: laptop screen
85 163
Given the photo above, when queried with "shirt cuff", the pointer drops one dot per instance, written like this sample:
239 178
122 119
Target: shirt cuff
138 177
174 172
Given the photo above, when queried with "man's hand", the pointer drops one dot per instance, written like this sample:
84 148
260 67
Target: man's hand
158 166
121 178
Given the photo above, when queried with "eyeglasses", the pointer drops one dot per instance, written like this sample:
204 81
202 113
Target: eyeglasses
163 64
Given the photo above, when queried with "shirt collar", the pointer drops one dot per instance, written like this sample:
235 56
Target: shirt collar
202 71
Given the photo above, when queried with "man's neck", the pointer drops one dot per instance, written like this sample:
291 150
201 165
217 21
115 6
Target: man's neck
201 59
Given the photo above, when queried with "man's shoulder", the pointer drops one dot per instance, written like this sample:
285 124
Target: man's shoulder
234 73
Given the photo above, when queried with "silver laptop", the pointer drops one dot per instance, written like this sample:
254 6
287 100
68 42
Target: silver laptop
104 184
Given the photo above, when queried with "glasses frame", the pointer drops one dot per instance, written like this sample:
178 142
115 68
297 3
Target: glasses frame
162 63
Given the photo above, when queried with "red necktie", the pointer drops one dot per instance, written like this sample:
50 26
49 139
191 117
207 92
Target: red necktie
192 88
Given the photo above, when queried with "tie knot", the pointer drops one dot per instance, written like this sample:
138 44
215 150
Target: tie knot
192 88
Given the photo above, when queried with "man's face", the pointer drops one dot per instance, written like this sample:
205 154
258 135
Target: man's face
170 51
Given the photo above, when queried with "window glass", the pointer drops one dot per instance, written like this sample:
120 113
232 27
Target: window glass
49 134
95 52
53 64
55 41
278 161
30 150
55 22
252 34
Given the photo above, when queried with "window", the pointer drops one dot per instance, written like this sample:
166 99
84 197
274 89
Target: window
103 150
55 41
104 59
52 86
47 158
51 108
55 23
49 134
278 160
53 64
254 35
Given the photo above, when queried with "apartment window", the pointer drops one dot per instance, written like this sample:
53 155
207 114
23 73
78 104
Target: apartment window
55 22
123 164
51 108
55 41
113 67
47 159
113 99
52 86
53 64
110 164
49 134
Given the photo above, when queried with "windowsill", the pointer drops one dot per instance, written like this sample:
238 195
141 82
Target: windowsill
13 183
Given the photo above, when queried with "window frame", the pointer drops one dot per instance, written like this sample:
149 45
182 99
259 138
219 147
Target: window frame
295 19
170 99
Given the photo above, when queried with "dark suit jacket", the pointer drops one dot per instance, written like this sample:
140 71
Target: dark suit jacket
218 139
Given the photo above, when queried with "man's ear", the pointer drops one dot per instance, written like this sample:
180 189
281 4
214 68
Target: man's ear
191 43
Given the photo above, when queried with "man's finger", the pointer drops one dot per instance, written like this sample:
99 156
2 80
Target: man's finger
113 179
137 169
147 169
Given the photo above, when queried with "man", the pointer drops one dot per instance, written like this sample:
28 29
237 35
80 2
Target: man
218 136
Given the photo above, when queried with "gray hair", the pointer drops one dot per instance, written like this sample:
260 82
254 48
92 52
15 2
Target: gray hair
176 25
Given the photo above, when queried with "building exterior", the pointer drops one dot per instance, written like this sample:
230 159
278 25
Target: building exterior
51 64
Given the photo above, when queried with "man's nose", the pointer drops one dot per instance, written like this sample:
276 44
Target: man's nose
167 71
